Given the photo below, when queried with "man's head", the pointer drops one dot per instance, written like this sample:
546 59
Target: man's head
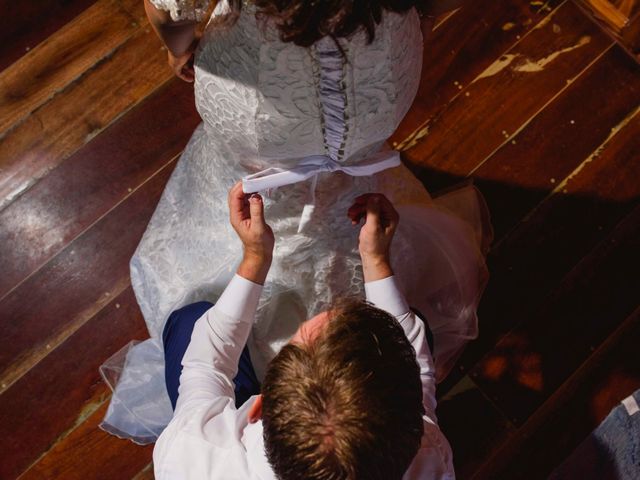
345 401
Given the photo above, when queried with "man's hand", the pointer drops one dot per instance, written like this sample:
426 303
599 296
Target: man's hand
381 221
246 213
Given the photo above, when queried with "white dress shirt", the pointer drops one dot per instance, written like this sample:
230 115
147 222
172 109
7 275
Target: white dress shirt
208 438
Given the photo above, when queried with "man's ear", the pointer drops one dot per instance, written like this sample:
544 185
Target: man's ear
255 411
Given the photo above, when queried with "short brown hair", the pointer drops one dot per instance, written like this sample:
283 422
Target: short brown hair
346 406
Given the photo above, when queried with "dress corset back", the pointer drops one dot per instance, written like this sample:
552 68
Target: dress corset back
261 97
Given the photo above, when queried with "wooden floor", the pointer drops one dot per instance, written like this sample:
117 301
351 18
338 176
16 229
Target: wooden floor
533 100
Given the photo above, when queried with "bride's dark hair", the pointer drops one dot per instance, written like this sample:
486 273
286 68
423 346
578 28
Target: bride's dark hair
303 22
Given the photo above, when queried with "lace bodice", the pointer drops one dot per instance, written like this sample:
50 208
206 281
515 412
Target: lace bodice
266 103
262 97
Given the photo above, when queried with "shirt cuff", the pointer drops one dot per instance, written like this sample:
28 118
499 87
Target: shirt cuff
240 298
386 295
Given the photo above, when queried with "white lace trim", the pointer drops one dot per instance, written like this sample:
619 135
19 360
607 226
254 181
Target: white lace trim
183 9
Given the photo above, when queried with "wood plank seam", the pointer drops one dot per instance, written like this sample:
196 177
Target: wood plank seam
19 370
560 394
117 117
129 193
21 30
576 271
444 19
549 102
502 261
493 403
471 423
131 164
21 367
79 19
146 472
560 188
94 133
422 130
115 458
78 389
84 415
6 202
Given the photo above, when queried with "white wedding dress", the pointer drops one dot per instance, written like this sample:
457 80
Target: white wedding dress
265 104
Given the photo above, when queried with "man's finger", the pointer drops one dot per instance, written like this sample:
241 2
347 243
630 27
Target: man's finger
256 209
236 195
236 202
373 212
389 213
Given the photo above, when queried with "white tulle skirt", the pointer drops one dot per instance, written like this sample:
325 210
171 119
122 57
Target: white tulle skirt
189 253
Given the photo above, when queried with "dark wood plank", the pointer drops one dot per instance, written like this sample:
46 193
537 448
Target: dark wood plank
609 375
561 231
460 50
61 58
535 358
472 423
630 38
88 452
23 25
63 295
65 387
90 182
135 9
509 93
473 426
75 116
527 169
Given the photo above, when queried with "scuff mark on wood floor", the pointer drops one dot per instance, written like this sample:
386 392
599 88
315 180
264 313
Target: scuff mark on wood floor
530 66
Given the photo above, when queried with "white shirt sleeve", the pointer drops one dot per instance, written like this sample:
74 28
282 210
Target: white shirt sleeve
434 458
211 360
207 436
385 295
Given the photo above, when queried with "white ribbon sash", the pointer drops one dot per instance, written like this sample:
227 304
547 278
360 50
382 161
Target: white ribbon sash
311 166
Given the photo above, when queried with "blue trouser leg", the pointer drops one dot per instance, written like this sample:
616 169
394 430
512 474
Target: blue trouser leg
176 337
